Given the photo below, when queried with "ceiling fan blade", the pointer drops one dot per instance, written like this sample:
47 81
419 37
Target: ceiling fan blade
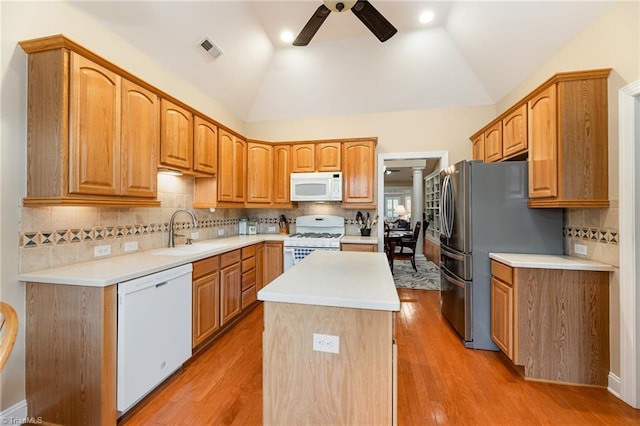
374 20
311 28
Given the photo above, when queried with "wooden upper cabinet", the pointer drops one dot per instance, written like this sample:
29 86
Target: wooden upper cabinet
176 137
232 167
303 157
281 174
493 142
259 181
205 146
328 157
94 104
543 149
358 173
140 138
478 147
514 132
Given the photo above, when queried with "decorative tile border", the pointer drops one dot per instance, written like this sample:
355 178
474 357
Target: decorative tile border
64 236
592 234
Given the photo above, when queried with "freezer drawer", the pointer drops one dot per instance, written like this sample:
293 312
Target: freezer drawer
455 302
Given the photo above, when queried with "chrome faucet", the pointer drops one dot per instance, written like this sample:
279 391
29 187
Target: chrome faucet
172 235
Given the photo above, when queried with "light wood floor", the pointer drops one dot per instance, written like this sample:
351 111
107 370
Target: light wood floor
439 382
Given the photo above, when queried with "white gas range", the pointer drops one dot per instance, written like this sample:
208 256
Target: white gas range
314 232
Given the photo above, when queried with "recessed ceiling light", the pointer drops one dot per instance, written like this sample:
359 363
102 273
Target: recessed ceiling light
286 36
426 16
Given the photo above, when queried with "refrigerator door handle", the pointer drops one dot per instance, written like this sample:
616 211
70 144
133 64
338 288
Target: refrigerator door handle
443 199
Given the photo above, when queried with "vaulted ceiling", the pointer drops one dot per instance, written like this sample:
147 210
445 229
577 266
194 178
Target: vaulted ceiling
472 53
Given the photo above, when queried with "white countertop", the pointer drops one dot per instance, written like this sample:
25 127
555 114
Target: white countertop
337 278
357 239
111 270
549 261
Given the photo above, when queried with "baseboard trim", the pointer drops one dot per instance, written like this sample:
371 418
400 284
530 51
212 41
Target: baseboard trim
614 385
14 414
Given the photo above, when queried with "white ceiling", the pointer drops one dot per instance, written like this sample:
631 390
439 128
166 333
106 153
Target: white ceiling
473 53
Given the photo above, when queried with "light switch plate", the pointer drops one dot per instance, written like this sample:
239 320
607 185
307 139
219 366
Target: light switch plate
131 246
580 249
272 229
102 250
326 343
195 235
220 232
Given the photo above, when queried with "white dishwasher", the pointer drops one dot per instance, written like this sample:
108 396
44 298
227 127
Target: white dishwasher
154 331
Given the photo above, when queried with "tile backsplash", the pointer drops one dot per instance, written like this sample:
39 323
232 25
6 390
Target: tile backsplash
597 229
58 236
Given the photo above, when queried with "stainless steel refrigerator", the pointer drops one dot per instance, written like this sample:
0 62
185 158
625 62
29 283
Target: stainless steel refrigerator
484 209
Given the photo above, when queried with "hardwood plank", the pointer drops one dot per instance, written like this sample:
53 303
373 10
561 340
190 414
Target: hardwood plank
439 381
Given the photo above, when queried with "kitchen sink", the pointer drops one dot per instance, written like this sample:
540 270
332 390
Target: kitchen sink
186 250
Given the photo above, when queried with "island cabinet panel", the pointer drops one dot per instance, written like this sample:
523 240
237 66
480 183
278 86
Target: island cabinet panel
493 142
71 354
95 111
514 132
543 152
260 179
206 299
230 286
273 260
140 139
328 157
478 147
281 174
552 322
303 386
176 137
205 146
303 157
358 174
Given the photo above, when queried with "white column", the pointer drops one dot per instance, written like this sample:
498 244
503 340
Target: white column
417 204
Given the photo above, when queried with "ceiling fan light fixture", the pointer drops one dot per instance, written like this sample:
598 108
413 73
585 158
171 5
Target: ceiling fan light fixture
339 6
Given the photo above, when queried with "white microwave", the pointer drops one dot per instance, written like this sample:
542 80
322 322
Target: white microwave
318 186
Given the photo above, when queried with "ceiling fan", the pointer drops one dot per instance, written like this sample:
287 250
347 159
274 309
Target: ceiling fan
363 10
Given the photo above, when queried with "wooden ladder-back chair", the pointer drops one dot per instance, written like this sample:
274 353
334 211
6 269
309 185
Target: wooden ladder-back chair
8 331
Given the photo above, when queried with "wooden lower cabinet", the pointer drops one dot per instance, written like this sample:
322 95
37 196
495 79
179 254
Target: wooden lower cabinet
248 287
230 286
552 322
431 250
259 266
206 299
359 247
273 260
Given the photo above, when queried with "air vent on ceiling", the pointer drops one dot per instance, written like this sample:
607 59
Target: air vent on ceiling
211 48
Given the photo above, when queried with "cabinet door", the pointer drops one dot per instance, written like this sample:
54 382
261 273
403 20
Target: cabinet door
230 282
493 142
303 158
225 166
502 316
328 156
543 145
176 136
239 170
358 173
478 147
358 247
206 307
514 132
140 136
260 180
94 143
259 266
281 173
205 146
273 265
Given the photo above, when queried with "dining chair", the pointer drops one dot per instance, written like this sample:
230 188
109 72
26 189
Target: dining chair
387 244
8 331
409 244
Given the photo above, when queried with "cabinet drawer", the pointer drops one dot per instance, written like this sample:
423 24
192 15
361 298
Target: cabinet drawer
502 272
249 296
248 264
248 279
248 251
205 266
229 258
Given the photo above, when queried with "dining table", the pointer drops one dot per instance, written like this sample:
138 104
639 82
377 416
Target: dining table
391 239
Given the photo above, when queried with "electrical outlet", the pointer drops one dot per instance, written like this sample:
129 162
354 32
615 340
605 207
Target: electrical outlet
326 343
580 249
102 250
131 246
272 229
195 235
220 232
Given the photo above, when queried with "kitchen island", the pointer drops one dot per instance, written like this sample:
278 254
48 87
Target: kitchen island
329 355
